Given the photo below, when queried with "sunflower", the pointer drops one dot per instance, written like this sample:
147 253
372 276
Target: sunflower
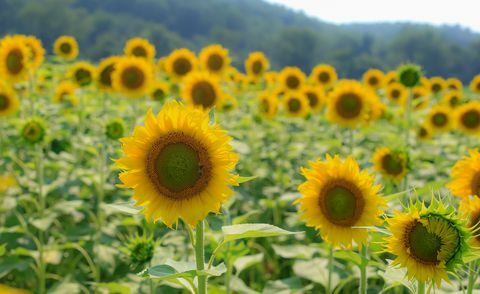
180 63
159 91
468 118
33 131
315 95
296 104
466 176
202 89
14 59
429 242
439 119
105 71
256 64
291 79
37 52
268 104
437 85
214 59
179 165
228 103
115 129
139 47
337 197
5 289
420 97
9 103
82 73
66 47
470 210
393 165
452 98
324 75
397 93
349 103
410 75
425 83
390 77
475 84
374 78
133 76
424 132
65 94
454 84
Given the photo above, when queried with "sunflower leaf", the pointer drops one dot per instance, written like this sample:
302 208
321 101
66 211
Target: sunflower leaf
244 231
125 207
242 180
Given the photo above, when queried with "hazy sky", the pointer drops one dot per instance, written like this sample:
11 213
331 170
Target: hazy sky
463 12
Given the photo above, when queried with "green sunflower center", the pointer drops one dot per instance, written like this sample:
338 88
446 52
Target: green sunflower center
392 165
182 66
424 245
4 102
204 94
33 132
15 61
139 51
215 62
294 105
342 203
292 82
158 94
114 130
83 77
312 99
439 119
66 48
324 77
133 77
471 119
179 166
454 101
257 67
106 75
349 105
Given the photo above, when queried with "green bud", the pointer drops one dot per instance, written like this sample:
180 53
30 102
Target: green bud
33 131
115 129
409 75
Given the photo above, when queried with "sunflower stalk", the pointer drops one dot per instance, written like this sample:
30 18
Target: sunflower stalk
200 257
330 269
472 277
363 270
421 288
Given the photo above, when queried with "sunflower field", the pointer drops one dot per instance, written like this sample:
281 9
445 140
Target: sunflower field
184 174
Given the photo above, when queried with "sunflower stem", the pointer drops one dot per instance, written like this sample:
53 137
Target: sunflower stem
330 269
472 277
41 200
363 270
351 141
421 287
408 118
200 257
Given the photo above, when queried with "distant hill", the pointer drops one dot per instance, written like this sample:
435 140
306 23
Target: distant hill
288 37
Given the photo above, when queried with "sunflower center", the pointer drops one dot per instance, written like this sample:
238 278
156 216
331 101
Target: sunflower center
179 166
423 132
349 105
471 119
475 185
342 203
292 82
436 88
373 81
424 245
133 77
439 119
454 101
65 48
312 99
324 77
392 164
395 94
106 75
139 51
159 95
182 66
478 86
14 61
257 67
83 77
264 106
294 105
203 93
215 62
32 132
4 102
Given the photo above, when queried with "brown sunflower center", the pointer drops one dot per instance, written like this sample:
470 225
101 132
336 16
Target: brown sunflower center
15 61
83 76
158 94
395 94
215 62
65 48
139 51
471 119
436 88
373 81
292 82
106 75
424 246
342 203
475 185
477 86
204 94
257 67
4 102
393 165
349 105
439 119
294 105
133 77
179 166
182 66
454 101
312 99
422 133
324 77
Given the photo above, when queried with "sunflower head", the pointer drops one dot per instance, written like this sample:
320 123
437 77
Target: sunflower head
475 84
214 59
336 197
420 97
33 131
324 75
9 103
82 73
429 242
391 77
470 209
424 132
133 76
229 103
392 164
453 84
105 71
374 78
179 165
440 119
14 59
468 118
180 63
139 47
65 94
159 91
140 250
410 75
465 176
296 104
437 85
452 99
256 64
202 89
315 95
291 79
115 129
397 93
268 104
36 50
66 47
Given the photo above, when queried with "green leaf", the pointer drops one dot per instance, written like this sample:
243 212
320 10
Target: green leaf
166 272
242 180
286 286
295 251
348 255
244 262
115 288
11 263
244 231
125 207
314 270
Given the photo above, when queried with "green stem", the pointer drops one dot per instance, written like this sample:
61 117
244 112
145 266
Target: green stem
330 269
200 257
40 179
351 141
363 270
472 277
421 288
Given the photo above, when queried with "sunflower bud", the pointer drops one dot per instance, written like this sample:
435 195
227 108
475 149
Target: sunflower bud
141 250
409 75
33 131
115 129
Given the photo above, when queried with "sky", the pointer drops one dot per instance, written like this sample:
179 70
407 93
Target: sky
437 12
